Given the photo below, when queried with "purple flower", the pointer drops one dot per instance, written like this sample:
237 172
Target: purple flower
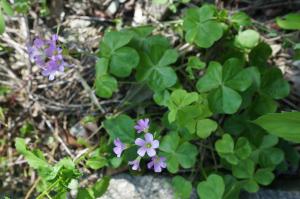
119 147
48 56
147 146
135 163
157 163
142 125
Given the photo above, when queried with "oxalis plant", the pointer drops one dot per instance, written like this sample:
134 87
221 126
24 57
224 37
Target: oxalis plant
208 117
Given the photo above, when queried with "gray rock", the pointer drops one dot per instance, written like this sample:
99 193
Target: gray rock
126 186
272 194
112 8
139 187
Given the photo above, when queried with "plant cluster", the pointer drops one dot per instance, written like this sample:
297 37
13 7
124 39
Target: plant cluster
215 110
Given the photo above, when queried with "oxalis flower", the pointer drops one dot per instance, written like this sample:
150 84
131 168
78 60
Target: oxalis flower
147 146
119 147
158 163
142 125
135 163
48 56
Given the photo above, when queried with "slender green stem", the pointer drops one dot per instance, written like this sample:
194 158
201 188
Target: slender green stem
49 189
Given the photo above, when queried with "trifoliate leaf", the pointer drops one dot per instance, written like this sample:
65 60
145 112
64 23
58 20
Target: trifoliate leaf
201 27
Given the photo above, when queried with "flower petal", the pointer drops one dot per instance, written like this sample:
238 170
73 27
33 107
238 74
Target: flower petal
150 164
148 137
141 151
139 142
118 151
151 152
157 168
155 144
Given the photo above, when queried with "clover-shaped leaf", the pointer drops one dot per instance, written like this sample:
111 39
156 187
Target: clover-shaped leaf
121 126
201 26
194 63
224 84
154 67
104 83
247 39
212 188
244 169
231 152
182 187
241 19
105 86
225 148
264 176
274 85
205 127
178 154
113 48
178 100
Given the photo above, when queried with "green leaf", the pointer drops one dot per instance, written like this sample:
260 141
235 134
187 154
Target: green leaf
97 162
170 143
205 127
101 186
274 85
178 100
243 148
212 78
269 141
201 27
123 61
251 186
260 54
224 100
194 63
113 41
184 154
212 188
247 39
244 169
182 187
33 160
241 18
101 67
2 23
121 126
7 8
289 22
85 194
105 86
271 157
264 176
284 125
154 67
223 83
161 77
225 145
161 98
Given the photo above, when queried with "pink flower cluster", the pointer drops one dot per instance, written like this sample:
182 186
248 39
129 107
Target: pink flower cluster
148 146
48 56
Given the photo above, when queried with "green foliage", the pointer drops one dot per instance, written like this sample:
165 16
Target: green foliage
182 187
285 125
212 188
120 127
247 39
289 22
212 108
201 26
178 153
223 84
